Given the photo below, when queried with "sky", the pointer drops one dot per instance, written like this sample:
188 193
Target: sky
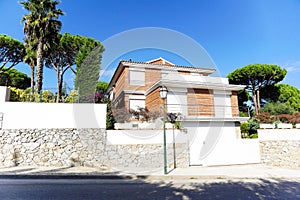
232 33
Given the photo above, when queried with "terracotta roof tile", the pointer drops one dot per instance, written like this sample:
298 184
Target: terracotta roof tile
171 66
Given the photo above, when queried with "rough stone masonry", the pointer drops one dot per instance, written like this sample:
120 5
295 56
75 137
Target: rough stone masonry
80 147
283 153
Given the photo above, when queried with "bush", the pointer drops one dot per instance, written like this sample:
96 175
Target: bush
281 118
284 118
72 97
110 120
249 129
277 108
253 126
121 115
20 95
244 129
255 135
265 117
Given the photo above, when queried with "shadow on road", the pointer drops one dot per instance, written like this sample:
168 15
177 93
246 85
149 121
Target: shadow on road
224 189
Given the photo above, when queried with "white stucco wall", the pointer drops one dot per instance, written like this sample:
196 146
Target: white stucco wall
222 103
21 115
177 101
217 143
144 136
278 134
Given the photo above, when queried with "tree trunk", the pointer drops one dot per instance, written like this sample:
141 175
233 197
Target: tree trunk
258 101
32 83
255 101
40 66
59 83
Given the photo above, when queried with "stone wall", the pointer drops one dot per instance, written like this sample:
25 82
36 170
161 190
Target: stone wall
147 155
81 147
283 153
280 147
52 147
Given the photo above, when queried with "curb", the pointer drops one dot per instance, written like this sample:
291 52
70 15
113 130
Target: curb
132 177
64 176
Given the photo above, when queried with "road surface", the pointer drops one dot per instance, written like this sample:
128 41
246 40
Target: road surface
154 189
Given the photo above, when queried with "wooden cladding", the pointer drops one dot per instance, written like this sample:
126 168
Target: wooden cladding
200 102
153 101
234 104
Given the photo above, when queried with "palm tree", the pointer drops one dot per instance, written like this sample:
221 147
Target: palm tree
40 28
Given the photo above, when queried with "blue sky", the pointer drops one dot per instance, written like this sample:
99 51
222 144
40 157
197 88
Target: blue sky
234 33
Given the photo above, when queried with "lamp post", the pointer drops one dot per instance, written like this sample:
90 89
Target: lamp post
163 94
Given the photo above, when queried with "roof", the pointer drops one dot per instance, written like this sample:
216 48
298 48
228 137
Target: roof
158 63
160 60
205 71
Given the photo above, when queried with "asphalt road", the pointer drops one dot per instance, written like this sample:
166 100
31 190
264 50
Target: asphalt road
139 189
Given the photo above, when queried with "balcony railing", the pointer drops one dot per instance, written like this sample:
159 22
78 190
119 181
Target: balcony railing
208 110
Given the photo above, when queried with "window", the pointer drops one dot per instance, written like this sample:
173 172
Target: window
137 78
134 104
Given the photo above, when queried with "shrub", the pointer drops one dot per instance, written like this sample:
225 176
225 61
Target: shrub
245 128
110 120
18 95
21 95
265 117
121 115
255 135
253 126
285 118
277 108
72 97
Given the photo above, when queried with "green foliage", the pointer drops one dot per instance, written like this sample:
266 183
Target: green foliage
283 93
20 95
253 136
87 61
72 97
102 86
256 77
41 28
253 126
177 125
110 120
289 95
61 58
86 46
88 73
11 52
245 128
249 129
277 108
243 96
14 78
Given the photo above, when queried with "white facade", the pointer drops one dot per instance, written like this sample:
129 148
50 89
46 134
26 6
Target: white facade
22 115
219 143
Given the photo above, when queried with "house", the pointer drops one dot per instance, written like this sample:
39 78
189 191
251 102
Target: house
208 105
191 91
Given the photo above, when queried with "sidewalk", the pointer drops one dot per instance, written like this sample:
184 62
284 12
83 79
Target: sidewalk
194 172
